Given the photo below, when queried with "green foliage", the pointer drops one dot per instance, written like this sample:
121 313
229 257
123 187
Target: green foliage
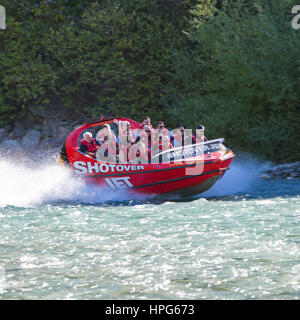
105 57
230 65
111 62
247 86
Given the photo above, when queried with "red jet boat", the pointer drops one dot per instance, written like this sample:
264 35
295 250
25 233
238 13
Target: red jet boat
187 170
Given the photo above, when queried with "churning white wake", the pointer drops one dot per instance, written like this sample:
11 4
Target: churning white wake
24 186
244 171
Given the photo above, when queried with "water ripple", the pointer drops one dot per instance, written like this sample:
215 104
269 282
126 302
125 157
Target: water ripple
240 246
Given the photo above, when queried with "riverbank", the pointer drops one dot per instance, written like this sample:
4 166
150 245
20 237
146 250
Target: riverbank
285 171
39 141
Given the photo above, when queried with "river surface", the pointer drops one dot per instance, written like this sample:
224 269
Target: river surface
60 239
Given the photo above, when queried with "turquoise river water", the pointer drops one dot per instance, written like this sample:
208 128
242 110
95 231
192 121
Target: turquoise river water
60 239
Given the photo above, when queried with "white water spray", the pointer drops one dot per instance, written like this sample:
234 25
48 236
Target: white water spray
244 171
24 186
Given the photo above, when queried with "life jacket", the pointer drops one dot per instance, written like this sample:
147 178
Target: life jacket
92 146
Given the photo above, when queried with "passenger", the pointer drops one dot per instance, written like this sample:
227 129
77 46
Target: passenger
162 129
166 143
107 151
125 132
106 131
148 141
130 135
160 144
146 122
88 145
200 137
147 130
138 152
178 136
182 137
126 139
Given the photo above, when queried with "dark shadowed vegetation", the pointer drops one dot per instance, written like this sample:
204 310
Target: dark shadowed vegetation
231 65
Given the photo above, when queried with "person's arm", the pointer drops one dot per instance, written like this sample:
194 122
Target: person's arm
95 144
83 148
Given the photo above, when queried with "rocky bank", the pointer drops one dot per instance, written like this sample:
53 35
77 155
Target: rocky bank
286 171
40 141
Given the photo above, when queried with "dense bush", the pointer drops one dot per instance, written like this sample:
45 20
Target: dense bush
231 65
105 57
244 82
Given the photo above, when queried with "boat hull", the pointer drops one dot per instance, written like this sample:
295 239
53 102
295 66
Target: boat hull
184 179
